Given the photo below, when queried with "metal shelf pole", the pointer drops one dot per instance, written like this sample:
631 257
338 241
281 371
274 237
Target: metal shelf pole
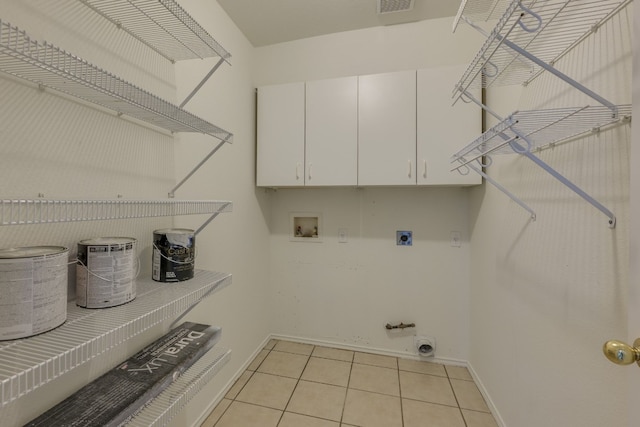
198 166
504 190
593 202
202 82
562 76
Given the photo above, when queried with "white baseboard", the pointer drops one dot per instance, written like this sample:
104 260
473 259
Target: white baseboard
485 394
218 398
364 349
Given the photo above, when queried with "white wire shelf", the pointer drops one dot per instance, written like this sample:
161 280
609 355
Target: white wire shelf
480 10
171 401
162 25
546 30
522 132
537 128
30 363
43 211
52 67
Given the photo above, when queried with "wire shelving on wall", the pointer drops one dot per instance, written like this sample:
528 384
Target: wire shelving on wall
166 28
52 67
28 364
529 38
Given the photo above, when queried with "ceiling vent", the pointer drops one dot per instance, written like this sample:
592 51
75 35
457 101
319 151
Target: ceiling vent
389 6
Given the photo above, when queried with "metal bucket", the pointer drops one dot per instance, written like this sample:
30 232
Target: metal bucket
33 290
173 257
106 272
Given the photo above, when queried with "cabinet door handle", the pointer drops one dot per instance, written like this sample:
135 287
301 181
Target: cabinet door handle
310 170
424 168
409 169
297 171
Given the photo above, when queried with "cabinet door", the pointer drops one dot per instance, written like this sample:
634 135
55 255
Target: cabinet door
331 151
442 128
387 129
280 151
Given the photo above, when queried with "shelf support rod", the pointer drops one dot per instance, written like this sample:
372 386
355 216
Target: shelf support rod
504 41
561 75
516 147
480 104
211 218
594 28
202 82
487 58
464 161
198 166
593 202
504 190
525 151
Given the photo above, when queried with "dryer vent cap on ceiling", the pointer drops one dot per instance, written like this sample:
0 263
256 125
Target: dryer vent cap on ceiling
389 6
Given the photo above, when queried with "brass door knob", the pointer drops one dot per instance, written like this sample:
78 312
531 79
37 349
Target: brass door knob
622 353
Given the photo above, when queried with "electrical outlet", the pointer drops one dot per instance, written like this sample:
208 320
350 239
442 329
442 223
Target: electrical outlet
343 235
404 238
456 240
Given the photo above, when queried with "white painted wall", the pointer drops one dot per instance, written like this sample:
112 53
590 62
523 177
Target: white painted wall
543 296
546 295
529 304
344 293
373 50
236 242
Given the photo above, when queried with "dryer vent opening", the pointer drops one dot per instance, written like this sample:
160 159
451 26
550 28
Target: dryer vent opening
390 6
425 346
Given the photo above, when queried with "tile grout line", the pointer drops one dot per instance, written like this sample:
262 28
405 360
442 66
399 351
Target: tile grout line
297 383
455 396
400 394
223 412
344 403
348 387
244 385
236 395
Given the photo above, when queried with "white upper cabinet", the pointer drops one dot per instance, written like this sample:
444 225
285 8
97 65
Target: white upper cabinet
387 129
394 128
331 154
281 129
443 127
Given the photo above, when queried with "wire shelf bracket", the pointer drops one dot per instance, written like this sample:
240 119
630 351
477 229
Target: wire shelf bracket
170 31
47 65
46 211
198 166
162 25
523 44
51 67
513 197
224 141
541 37
522 132
202 82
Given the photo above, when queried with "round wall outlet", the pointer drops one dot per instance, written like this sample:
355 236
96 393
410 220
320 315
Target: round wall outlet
425 346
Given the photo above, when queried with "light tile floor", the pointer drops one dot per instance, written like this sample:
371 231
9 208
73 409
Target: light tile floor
301 385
